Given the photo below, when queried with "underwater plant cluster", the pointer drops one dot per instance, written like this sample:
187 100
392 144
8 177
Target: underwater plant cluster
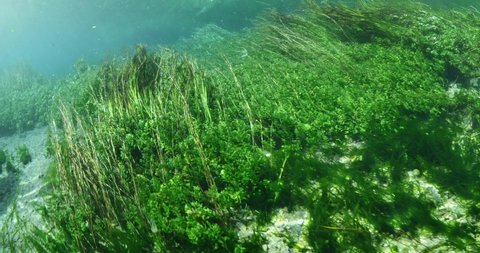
364 117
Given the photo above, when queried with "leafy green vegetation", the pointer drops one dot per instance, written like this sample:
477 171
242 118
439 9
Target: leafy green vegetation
9 166
3 157
28 98
7 159
342 110
23 155
25 97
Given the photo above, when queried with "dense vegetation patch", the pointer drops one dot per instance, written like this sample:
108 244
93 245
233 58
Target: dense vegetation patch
28 98
344 111
25 98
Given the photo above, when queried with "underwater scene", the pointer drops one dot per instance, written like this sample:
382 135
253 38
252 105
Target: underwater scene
239 126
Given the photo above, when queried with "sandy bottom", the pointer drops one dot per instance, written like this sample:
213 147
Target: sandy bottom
24 188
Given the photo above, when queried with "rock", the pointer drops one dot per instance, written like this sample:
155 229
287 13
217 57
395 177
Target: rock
453 89
474 82
285 234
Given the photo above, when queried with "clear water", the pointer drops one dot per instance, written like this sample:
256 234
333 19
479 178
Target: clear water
51 36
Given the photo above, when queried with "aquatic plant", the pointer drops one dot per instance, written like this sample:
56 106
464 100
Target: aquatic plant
3 157
23 154
25 96
13 228
445 36
335 109
28 98
9 166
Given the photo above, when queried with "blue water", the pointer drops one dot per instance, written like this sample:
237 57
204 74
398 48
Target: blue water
51 35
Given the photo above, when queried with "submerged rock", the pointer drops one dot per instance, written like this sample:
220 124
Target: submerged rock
286 233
